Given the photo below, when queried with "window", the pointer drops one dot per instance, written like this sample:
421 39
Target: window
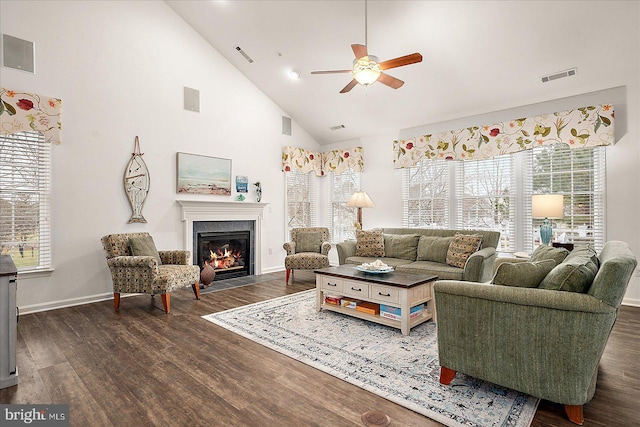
25 194
425 197
342 218
487 188
580 176
495 194
299 201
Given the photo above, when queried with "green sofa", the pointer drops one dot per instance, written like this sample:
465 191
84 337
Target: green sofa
546 343
414 256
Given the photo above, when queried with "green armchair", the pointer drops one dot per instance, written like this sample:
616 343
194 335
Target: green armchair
148 274
542 342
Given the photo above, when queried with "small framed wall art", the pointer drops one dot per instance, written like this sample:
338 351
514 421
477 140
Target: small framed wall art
198 174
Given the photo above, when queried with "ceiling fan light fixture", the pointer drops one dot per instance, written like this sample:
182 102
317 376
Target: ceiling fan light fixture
366 70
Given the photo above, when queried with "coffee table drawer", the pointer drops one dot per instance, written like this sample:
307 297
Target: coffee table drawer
384 293
355 289
332 284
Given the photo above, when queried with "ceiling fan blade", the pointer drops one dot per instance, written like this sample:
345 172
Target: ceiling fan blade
331 72
390 81
359 50
350 86
401 61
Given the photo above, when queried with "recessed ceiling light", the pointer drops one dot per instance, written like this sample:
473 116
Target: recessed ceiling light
294 74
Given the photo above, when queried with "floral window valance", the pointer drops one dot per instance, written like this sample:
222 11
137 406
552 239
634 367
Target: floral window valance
27 112
583 127
332 161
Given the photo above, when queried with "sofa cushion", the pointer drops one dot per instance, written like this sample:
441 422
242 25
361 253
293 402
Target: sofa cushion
308 241
432 248
144 246
403 246
461 248
523 274
443 271
543 252
574 274
370 243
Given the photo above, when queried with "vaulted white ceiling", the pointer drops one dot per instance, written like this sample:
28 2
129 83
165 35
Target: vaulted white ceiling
479 56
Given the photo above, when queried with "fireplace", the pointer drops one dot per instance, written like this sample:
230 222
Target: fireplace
228 246
224 217
228 252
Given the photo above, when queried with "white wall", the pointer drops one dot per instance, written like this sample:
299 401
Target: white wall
120 68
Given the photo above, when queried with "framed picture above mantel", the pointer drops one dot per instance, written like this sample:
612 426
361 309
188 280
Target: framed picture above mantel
198 174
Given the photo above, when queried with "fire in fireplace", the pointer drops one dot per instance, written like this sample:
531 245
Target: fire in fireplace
227 252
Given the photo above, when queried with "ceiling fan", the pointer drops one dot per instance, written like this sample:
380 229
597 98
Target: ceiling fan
367 69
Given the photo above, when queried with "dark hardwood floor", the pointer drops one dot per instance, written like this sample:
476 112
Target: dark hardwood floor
140 367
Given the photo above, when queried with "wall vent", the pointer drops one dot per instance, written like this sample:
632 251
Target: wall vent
242 52
559 75
337 127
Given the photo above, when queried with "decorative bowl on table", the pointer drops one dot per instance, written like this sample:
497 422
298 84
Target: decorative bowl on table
376 267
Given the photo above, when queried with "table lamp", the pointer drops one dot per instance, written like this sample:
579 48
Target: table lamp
547 206
360 200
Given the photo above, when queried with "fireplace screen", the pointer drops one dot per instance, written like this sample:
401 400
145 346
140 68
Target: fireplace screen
227 252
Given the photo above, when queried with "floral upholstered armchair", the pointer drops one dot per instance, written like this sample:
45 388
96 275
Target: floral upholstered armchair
308 249
137 267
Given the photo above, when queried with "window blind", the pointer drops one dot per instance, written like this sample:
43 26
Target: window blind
486 192
342 218
425 195
300 201
25 200
579 175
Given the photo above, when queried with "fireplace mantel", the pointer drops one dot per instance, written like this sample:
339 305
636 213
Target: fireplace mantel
223 211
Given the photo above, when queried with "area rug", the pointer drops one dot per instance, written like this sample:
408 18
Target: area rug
377 358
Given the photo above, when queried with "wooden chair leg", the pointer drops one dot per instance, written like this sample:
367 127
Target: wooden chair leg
166 302
116 301
287 278
196 289
446 375
574 413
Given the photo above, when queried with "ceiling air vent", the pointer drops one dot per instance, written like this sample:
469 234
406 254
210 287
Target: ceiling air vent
559 75
242 52
337 127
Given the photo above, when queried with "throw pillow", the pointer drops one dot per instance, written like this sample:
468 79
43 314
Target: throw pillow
543 252
144 246
461 248
523 274
575 274
308 241
370 243
432 248
403 246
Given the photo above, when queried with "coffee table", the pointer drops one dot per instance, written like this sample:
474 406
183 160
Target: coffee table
397 289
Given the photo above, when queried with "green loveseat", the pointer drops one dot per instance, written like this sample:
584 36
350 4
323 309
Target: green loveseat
407 251
546 343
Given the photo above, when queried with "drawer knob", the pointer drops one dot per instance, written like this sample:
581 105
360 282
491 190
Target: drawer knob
384 295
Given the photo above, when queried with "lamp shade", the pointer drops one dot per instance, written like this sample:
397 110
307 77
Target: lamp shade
360 199
547 206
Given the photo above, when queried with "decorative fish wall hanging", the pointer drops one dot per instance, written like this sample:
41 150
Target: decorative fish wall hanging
136 183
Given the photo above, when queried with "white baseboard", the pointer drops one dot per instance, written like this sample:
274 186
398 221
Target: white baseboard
634 302
272 270
54 305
